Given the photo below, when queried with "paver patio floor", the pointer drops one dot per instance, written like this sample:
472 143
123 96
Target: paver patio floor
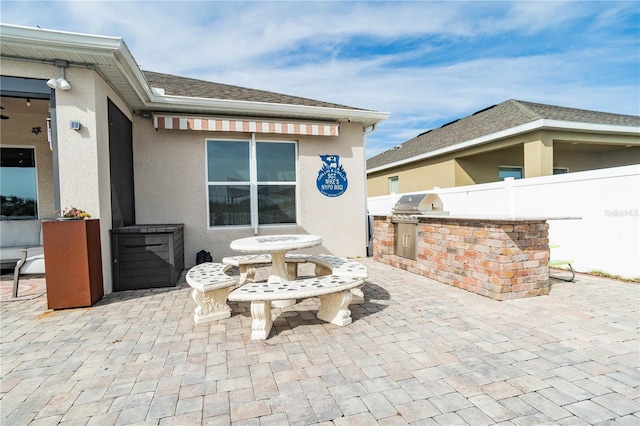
417 352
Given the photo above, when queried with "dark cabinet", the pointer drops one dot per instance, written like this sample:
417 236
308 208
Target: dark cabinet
147 256
73 263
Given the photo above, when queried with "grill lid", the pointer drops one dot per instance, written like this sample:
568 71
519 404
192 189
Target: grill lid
418 204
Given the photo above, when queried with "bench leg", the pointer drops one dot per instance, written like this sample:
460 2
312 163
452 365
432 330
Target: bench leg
570 280
321 271
334 308
16 273
212 305
247 273
358 295
262 320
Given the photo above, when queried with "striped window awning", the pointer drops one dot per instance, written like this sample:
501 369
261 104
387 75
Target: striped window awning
212 124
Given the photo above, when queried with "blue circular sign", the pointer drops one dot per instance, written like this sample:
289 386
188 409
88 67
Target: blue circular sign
332 179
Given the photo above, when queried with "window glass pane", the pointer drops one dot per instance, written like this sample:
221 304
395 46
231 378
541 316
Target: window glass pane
228 161
229 205
276 162
276 204
18 190
393 185
560 170
505 172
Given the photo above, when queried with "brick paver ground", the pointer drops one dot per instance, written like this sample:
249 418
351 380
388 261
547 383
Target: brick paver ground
417 352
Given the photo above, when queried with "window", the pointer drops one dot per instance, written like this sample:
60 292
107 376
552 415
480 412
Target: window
509 171
18 189
393 185
560 170
251 183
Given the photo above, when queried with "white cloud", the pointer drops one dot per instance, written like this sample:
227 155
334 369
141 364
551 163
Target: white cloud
446 60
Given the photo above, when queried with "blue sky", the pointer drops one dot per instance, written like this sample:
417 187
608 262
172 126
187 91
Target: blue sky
424 62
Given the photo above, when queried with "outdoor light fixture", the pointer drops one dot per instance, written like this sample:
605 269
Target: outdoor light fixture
59 83
28 102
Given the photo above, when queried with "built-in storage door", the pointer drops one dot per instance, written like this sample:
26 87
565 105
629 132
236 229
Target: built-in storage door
121 165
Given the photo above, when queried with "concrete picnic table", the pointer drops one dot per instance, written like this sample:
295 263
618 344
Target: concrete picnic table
277 246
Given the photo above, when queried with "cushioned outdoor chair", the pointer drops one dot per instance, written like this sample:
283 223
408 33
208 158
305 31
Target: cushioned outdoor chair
31 262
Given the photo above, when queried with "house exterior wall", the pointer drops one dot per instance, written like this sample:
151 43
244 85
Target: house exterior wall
170 187
538 152
83 155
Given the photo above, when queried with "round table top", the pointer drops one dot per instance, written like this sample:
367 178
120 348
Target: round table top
271 243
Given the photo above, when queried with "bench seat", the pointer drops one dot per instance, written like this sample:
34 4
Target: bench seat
211 286
333 291
325 265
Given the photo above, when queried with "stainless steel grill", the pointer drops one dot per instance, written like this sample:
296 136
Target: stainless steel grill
405 216
418 204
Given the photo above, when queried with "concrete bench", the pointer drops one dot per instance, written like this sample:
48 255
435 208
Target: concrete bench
339 266
211 286
334 293
325 265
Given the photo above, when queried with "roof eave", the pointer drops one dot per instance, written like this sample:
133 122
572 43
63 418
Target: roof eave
367 117
514 131
115 49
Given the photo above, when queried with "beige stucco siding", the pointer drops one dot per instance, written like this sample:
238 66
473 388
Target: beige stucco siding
538 152
170 187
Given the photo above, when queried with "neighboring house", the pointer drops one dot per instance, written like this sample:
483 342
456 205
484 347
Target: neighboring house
512 139
138 147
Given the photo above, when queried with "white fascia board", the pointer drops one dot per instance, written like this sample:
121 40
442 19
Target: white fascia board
258 108
63 40
116 48
88 44
514 131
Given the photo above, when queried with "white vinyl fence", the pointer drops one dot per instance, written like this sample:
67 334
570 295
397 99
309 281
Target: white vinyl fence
605 239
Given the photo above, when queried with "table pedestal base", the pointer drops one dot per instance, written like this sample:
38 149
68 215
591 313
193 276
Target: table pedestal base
279 273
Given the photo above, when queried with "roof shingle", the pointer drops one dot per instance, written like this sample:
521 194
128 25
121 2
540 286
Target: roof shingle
505 115
191 87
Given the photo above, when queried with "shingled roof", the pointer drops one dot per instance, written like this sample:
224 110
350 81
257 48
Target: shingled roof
191 87
490 120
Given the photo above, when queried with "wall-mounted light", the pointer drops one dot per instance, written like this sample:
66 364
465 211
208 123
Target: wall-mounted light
59 83
28 102
36 130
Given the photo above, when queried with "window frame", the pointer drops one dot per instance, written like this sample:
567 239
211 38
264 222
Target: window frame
37 187
520 168
253 182
396 180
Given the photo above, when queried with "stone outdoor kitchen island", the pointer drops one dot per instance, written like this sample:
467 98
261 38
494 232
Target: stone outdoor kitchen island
500 258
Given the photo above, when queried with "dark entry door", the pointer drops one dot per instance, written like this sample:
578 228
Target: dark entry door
123 211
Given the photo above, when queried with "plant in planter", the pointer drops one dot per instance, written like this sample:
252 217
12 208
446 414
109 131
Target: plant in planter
74 213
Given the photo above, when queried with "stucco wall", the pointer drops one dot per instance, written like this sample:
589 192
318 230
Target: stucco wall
83 155
579 151
170 187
